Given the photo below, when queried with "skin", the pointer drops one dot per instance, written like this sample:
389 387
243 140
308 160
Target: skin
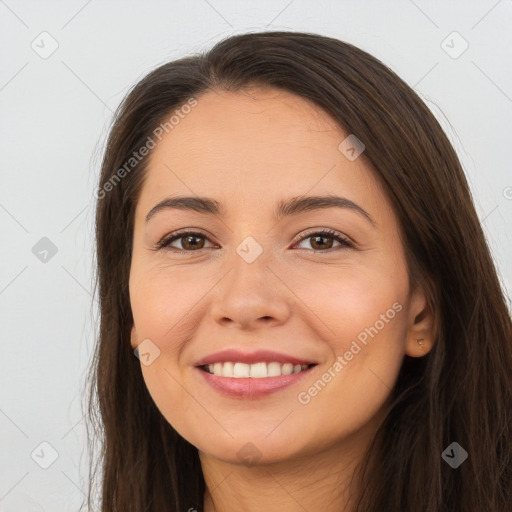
248 150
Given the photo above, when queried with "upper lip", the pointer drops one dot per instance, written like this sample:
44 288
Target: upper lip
258 356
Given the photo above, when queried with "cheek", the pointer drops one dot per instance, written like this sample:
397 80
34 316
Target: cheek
351 302
364 311
367 351
161 301
357 314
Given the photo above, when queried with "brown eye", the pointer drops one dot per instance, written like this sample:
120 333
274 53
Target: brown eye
323 240
190 241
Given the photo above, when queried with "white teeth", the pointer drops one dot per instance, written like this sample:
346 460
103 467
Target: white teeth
227 369
274 369
255 371
240 370
258 370
287 368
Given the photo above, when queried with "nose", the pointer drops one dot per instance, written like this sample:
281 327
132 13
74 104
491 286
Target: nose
251 295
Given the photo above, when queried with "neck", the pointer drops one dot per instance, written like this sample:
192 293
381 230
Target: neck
323 481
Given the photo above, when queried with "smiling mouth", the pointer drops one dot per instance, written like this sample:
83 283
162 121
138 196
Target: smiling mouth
259 370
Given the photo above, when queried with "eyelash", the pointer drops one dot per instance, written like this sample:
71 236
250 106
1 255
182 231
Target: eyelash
166 241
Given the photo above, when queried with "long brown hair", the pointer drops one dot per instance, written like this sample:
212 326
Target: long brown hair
460 392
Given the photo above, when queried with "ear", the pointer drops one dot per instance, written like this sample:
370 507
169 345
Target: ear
134 338
421 331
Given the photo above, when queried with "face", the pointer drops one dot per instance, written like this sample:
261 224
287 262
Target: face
247 280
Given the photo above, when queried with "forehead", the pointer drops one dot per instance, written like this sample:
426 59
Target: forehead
259 143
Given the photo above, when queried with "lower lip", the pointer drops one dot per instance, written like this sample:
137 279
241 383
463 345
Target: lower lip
249 388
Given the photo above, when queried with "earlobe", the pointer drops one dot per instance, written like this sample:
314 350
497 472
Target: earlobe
420 344
420 350
133 338
420 334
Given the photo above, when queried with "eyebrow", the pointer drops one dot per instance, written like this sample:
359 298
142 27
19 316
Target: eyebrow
293 206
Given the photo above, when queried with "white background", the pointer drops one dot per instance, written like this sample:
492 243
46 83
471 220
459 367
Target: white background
54 116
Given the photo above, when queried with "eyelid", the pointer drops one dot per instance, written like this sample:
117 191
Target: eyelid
175 235
165 242
326 231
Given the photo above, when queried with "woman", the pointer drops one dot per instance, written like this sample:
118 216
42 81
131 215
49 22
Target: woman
299 310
